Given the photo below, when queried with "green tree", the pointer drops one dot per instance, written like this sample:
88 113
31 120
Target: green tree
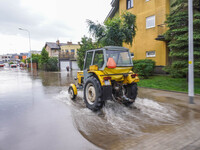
115 31
36 58
44 59
52 64
23 60
86 44
44 56
177 35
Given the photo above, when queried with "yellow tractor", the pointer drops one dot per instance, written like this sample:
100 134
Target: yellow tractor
107 75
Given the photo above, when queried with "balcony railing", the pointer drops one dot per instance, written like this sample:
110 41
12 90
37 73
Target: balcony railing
67 56
161 31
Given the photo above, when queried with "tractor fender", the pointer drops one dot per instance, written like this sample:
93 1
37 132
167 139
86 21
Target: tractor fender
74 88
99 75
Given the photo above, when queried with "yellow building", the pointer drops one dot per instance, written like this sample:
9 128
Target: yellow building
69 49
150 21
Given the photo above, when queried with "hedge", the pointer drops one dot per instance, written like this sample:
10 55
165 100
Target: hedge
144 68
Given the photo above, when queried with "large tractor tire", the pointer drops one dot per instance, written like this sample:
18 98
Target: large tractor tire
93 94
131 93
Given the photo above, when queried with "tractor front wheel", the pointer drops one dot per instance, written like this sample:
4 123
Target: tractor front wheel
92 94
72 93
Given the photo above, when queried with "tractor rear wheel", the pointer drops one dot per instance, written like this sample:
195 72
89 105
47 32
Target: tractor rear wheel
93 94
131 93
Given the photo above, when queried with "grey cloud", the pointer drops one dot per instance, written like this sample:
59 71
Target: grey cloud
13 15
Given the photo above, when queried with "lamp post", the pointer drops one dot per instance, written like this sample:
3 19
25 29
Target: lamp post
29 46
191 55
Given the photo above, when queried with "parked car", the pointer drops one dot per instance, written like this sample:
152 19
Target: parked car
2 65
13 65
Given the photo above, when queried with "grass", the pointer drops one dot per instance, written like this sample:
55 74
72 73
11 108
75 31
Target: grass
168 83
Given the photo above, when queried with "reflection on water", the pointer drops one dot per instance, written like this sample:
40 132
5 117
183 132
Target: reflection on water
36 112
57 78
30 115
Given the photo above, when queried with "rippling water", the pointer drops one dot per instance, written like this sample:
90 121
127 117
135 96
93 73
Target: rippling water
37 113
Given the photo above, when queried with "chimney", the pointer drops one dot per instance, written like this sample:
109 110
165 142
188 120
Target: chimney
79 43
69 43
58 42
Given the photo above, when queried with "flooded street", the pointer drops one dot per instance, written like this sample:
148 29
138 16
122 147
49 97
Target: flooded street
36 113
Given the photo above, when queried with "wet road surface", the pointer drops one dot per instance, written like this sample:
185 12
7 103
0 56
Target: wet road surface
36 113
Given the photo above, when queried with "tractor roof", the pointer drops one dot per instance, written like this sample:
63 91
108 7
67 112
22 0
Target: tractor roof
114 48
110 48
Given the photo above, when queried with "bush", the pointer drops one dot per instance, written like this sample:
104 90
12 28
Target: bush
175 72
52 64
144 67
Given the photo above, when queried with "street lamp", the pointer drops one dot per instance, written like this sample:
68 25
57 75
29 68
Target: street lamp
29 46
191 55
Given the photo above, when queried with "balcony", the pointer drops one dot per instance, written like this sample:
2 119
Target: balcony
161 31
67 56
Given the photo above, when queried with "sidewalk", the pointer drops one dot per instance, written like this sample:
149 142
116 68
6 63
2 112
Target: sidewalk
176 98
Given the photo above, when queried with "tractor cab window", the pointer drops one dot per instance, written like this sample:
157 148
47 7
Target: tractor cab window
98 59
88 60
122 58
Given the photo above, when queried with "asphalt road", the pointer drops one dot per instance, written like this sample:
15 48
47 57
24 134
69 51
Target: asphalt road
36 113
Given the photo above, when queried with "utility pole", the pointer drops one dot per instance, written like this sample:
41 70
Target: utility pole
191 55
29 47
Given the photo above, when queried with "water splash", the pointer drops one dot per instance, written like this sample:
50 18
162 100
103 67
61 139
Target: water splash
118 119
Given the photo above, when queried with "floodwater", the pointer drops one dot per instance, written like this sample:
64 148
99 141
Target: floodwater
36 113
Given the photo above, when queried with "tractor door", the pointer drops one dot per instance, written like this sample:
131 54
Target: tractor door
88 61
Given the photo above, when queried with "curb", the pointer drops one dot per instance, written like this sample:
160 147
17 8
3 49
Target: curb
167 90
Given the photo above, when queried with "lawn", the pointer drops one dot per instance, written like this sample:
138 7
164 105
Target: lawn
168 83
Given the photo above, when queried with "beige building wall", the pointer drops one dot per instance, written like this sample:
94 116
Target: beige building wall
71 48
52 53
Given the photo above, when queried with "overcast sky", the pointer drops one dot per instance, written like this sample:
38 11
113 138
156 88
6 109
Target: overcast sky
47 21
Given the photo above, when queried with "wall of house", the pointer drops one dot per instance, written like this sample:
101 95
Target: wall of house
48 49
70 47
145 38
52 53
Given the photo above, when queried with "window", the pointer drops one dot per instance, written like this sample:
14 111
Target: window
98 59
150 22
147 0
151 54
88 60
129 4
72 50
121 58
66 50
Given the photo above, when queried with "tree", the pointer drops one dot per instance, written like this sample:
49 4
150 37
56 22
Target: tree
44 59
44 56
52 64
115 31
36 58
177 35
86 44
